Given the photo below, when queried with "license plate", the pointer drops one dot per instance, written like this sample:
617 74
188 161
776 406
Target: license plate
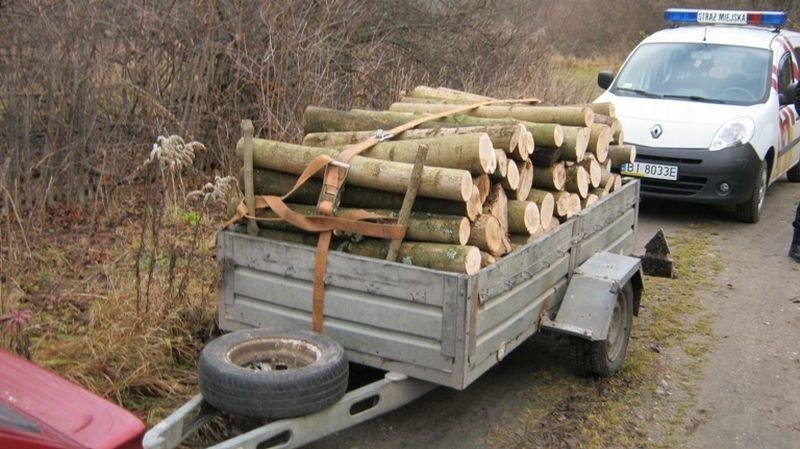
648 170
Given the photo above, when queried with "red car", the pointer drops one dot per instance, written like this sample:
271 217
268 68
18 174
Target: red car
40 410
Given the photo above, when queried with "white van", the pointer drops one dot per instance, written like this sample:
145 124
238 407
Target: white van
709 107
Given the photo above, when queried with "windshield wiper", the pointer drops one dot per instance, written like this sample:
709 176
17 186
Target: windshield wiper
641 92
694 98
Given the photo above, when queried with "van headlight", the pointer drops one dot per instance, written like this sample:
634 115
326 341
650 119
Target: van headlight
736 132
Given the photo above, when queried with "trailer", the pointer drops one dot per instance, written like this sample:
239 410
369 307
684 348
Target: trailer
424 328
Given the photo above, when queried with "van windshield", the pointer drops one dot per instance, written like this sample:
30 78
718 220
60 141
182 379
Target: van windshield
697 72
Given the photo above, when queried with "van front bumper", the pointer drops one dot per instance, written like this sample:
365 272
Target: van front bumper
702 174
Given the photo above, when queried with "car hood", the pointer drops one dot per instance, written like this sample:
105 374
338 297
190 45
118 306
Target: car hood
684 124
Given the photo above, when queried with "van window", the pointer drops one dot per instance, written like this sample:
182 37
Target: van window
696 72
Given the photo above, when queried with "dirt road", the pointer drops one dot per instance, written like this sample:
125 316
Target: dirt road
746 395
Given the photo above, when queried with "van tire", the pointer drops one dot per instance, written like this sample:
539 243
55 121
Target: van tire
264 373
750 210
793 174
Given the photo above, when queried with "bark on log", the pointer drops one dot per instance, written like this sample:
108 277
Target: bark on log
437 182
599 140
546 134
523 217
564 115
576 141
621 154
525 180
544 200
486 233
577 180
550 178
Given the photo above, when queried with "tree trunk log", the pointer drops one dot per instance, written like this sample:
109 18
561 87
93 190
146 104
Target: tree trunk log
621 154
523 217
525 180
599 140
546 134
589 200
511 181
497 205
447 94
487 259
577 180
593 169
544 200
564 115
483 183
546 156
487 234
437 256
552 225
437 182
550 178
502 165
576 141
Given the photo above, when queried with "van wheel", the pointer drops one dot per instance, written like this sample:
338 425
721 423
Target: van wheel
793 174
750 210
604 358
264 373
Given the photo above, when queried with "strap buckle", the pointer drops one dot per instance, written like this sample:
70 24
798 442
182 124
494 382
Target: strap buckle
331 193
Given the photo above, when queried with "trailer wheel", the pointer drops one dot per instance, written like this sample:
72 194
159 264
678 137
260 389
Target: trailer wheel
264 373
604 358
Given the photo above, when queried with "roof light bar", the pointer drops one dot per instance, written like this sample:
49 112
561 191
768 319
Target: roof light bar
728 17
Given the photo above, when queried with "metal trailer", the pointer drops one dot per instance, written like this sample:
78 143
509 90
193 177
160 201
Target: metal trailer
424 327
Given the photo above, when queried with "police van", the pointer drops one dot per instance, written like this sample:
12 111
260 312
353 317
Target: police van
709 106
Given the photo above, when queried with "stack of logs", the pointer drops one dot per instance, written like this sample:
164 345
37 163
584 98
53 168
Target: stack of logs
495 177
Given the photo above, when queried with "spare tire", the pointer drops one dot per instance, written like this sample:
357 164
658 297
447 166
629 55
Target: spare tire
266 373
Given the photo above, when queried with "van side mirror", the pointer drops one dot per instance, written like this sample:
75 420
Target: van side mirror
788 95
605 78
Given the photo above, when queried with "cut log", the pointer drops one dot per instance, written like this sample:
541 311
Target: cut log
473 152
593 169
544 200
567 205
497 205
270 182
518 240
616 183
605 177
446 94
599 140
437 256
422 226
523 217
487 234
599 192
550 178
524 147
483 183
437 182
577 180
546 134
525 180
511 181
621 154
564 115
487 259
546 156
552 225
502 165
576 141
589 200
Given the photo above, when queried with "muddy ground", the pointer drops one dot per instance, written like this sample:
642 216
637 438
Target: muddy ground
735 385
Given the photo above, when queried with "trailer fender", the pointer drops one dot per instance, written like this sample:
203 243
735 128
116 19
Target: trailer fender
588 302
